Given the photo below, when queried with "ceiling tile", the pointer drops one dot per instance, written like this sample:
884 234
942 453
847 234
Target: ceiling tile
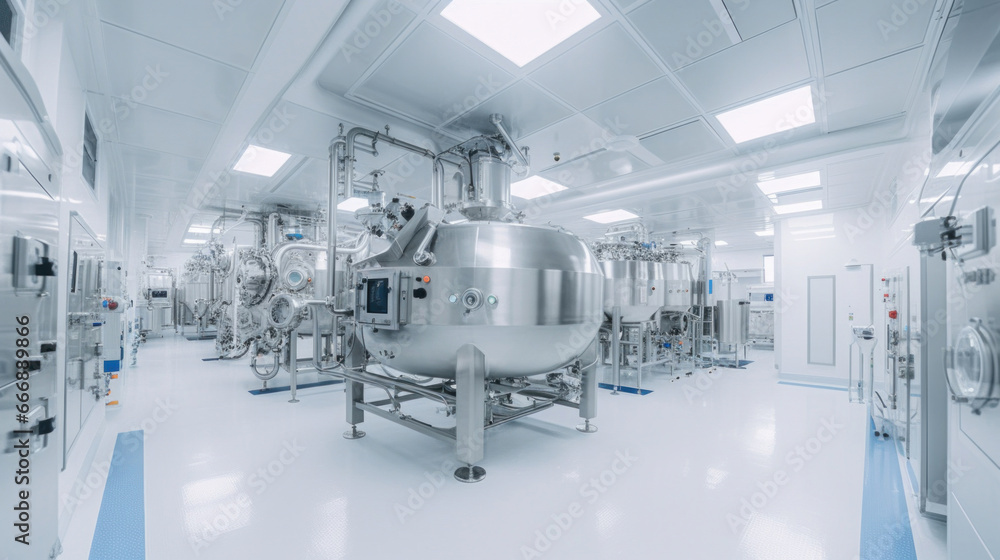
294 129
681 32
853 32
871 92
149 163
225 31
159 130
432 77
767 62
683 142
599 167
605 65
148 72
524 107
753 17
572 138
644 109
364 47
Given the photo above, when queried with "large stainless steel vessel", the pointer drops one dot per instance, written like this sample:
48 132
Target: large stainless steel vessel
528 297
641 278
636 288
732 322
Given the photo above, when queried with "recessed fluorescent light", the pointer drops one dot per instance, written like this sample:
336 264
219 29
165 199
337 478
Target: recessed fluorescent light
775 114
353 204
765 233
721 243
521 31
261 161
195 241
815 238
611 216
799 207
788 184
534 187
954 169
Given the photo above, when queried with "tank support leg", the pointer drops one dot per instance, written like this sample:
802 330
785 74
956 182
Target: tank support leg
588 393
470 409
355 393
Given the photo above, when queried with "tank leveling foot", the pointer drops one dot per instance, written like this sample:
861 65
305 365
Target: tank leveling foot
470 474
354 433
587 427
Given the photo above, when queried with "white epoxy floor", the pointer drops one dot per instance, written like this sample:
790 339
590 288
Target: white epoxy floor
724 466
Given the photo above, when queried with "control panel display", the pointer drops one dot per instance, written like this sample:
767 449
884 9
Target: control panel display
378 296
161 294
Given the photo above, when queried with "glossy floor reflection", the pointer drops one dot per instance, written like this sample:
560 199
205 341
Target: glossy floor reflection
721 466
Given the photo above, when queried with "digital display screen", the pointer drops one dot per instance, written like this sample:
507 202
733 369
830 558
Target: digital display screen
378 296
768 297
158 294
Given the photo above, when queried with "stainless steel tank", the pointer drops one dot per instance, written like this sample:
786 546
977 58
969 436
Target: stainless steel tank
637 288
680 287
528 297
732 322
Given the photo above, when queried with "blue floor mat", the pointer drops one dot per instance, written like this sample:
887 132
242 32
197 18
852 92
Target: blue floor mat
624 389
270 390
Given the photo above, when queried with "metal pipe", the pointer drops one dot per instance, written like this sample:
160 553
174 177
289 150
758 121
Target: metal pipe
437 194
272 228
336 147
497 120
317 338
616 351
423 257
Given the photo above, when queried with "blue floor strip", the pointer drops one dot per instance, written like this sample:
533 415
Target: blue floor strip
812 386
624 389
270 390
885 523
121 523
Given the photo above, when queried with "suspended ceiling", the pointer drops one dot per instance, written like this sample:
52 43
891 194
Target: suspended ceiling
629 102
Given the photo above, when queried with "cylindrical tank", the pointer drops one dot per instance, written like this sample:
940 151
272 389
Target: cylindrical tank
637 288
680 287
732 322
528 297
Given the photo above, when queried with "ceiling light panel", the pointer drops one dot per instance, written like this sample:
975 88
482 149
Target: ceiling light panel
534 187
799 207
521 30
955 169
790 184
769 116
611 216
261 161
353 204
